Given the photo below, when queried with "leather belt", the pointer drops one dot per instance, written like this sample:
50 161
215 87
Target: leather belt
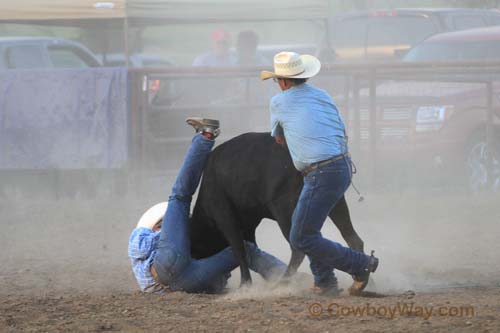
316 165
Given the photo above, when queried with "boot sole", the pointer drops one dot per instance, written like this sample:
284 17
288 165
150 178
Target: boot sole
202 122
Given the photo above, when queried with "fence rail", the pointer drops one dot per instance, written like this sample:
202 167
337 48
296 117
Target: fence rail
362 91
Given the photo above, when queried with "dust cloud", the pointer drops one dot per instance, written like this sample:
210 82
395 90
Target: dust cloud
425 242
425 239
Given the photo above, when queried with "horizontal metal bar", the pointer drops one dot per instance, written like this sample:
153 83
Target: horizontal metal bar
189 107
336 69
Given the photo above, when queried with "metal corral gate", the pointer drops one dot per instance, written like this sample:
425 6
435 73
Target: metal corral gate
398 113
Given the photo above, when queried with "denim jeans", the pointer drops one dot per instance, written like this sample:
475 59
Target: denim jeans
172 260
323 187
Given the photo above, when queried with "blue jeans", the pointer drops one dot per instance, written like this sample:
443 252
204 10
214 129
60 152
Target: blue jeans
173 262
323 187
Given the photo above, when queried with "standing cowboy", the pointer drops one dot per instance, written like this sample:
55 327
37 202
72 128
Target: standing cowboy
307 120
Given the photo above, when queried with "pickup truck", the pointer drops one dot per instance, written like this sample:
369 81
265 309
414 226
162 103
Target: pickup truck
443 117
44 52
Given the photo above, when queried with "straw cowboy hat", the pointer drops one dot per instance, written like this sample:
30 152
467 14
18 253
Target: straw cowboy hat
152 216
291 65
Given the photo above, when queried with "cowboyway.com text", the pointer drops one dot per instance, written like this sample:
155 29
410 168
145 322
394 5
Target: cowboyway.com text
400 309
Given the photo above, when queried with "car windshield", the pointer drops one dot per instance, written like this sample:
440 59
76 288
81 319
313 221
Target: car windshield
406 30
482 50
380 31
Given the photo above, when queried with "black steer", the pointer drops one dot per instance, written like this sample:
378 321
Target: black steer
246 179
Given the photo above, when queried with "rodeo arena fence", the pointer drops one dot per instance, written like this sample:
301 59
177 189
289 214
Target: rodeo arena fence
409 124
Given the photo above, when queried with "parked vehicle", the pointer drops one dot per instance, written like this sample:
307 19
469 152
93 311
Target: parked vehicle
136 60
44 52
447 117
472 44
52 54
160 92
388 34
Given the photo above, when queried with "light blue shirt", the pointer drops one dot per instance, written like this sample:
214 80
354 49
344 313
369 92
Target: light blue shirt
142 245
209 58
311 123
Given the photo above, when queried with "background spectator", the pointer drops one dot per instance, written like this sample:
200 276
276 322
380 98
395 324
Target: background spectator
220 54
246 49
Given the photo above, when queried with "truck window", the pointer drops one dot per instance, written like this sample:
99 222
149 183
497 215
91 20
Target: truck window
472 50
115 63
493 50
349 33
494 20
400 30
66 58
24 56
348 38
432 52
386 36
462 22
455 51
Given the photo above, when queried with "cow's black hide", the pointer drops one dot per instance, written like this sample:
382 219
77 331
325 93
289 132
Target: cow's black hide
246 179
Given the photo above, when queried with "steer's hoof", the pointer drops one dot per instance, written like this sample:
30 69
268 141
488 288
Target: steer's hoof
247 284
285 281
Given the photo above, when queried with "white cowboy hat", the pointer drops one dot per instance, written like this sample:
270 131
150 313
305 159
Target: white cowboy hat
153 215
292 65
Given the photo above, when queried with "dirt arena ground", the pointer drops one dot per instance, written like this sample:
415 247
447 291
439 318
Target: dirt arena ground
65 268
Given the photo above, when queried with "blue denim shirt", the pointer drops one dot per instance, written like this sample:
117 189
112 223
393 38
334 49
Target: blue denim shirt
311 123
141 249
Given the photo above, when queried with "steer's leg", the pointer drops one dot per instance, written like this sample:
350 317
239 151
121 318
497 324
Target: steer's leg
341 217
295 261
227 223
283 215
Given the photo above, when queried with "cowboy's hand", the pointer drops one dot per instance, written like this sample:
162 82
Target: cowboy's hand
280 140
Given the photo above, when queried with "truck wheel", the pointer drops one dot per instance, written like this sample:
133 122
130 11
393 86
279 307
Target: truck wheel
479 178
